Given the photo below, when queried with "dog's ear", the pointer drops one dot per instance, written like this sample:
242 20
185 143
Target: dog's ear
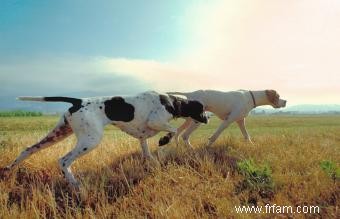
272 96
191 108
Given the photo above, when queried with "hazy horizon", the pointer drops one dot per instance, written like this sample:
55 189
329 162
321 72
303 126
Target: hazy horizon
124 47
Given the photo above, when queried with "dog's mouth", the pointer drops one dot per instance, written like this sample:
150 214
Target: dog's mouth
280 104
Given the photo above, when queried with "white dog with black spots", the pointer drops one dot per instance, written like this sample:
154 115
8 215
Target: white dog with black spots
141 116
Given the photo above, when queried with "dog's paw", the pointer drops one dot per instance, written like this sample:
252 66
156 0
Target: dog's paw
163 140
151 163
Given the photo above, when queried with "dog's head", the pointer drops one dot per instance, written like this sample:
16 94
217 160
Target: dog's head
195 110
274 99
190 108
180 107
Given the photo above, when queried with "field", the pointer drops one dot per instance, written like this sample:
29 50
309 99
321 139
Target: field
283 167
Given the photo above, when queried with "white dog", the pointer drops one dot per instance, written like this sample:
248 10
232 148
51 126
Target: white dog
141 116
230 107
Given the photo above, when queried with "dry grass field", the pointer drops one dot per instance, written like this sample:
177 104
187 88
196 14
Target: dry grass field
283 167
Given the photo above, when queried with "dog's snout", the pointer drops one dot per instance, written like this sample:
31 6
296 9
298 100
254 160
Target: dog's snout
205 120
205 117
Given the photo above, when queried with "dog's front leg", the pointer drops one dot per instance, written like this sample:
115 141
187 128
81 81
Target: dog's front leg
167 138
145 149
163 126
242 126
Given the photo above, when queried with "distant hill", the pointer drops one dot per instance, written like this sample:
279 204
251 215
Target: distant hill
300 109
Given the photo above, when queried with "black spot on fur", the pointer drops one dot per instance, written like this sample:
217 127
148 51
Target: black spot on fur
84 149
170 105
116 109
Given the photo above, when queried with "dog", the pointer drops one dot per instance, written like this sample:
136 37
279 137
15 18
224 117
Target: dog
141 116
233 106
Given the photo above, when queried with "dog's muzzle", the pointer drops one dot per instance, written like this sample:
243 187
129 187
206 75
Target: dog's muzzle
204 118
281 103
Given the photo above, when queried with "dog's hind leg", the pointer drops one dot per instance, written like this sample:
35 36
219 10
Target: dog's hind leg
60 132
86 142
89 131
225 124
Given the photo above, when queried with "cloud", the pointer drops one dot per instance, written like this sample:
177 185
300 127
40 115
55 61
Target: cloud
58 76
162 76
291 46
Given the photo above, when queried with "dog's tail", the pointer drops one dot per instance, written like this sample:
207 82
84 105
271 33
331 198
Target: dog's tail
74 101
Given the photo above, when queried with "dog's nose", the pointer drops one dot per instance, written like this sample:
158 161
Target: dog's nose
205 119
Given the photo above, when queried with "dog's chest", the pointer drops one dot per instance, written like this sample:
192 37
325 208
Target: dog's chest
140 132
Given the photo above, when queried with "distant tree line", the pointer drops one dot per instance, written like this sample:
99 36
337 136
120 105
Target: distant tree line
19 113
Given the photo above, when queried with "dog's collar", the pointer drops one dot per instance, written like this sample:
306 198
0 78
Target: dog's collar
252 97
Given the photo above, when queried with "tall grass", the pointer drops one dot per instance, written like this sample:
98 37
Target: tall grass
282 168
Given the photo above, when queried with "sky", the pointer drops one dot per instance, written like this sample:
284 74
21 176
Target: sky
122 47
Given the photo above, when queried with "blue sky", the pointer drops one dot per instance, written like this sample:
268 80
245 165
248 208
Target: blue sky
136 29
85 47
